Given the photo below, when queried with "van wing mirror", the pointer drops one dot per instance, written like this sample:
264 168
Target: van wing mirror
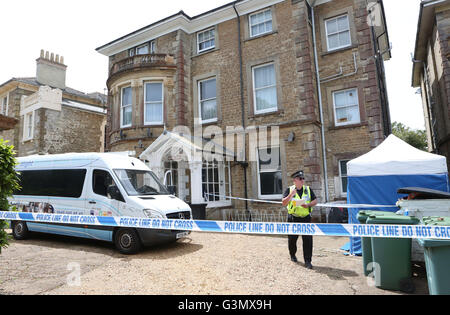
114 192
172 189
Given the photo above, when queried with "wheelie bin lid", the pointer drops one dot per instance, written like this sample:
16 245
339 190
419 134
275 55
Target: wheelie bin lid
364 214
393 218
436 221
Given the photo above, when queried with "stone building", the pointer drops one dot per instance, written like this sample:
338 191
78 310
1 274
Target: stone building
431 72
51 117
242 81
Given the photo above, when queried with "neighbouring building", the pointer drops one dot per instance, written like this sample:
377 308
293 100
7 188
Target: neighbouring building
51 117
431 72
242 79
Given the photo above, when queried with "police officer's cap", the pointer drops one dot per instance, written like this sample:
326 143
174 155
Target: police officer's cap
298 174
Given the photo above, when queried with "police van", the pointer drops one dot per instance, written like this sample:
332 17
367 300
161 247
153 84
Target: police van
98 184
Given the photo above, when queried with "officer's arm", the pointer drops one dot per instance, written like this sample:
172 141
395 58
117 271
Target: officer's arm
285 200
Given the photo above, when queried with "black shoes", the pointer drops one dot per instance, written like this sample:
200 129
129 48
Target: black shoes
307 263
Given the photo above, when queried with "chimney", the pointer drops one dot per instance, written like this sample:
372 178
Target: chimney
50 70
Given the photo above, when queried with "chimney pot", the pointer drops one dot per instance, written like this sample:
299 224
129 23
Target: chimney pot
50 70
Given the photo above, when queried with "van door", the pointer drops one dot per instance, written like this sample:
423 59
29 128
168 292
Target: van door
100 201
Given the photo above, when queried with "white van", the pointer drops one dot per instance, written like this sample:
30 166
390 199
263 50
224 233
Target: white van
100 184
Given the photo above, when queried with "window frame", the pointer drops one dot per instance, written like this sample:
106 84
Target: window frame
271 196
327 34
213 29
28 126
152 47
250 22
141 46
153 123
128 105
210 120
268 110
4 104
341 176
338 124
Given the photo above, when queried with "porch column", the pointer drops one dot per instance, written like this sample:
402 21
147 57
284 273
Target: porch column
196 182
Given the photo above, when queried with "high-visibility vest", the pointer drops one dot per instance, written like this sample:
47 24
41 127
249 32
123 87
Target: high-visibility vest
294 207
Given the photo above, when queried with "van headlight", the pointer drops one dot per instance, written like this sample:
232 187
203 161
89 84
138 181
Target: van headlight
150 213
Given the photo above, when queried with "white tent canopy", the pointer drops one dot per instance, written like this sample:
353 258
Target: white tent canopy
396 157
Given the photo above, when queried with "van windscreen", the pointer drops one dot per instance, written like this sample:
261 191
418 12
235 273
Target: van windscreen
140 182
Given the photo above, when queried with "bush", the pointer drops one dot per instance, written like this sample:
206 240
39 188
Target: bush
414 137
9 182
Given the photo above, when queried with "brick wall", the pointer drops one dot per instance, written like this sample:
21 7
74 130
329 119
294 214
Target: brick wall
290 48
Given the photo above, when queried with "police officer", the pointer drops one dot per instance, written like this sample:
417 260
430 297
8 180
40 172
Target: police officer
299 200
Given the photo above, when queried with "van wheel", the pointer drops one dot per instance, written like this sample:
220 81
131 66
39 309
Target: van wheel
20 230
127 241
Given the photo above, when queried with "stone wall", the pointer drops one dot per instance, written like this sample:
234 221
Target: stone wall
290 48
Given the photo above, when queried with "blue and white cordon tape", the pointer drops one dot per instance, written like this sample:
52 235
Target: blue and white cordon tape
270 228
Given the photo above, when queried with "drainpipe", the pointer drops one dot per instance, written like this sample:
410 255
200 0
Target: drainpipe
244 164
319 92
429 103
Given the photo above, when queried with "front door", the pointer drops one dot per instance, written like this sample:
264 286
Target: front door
171 174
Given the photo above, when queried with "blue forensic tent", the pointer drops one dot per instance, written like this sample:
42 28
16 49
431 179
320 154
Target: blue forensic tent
374 177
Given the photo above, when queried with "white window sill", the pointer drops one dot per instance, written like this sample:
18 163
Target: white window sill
218 204
270 197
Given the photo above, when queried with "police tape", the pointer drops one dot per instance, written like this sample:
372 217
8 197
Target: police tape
322 205
241 227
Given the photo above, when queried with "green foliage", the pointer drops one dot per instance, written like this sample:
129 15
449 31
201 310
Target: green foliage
9 181
414 137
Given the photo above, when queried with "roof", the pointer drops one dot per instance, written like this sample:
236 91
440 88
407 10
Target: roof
424 28
396 157
99 97
184 22
191 145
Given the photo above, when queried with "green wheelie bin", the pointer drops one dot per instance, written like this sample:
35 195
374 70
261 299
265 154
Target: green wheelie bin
366 245
392 256
437 256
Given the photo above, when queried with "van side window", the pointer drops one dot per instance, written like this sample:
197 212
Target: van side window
53 183
101 180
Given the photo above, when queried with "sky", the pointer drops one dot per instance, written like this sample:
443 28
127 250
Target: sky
74 29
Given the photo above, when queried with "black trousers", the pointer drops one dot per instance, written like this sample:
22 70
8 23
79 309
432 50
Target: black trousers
307 239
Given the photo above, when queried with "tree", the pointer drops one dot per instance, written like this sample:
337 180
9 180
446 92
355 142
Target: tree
9 181
415 137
